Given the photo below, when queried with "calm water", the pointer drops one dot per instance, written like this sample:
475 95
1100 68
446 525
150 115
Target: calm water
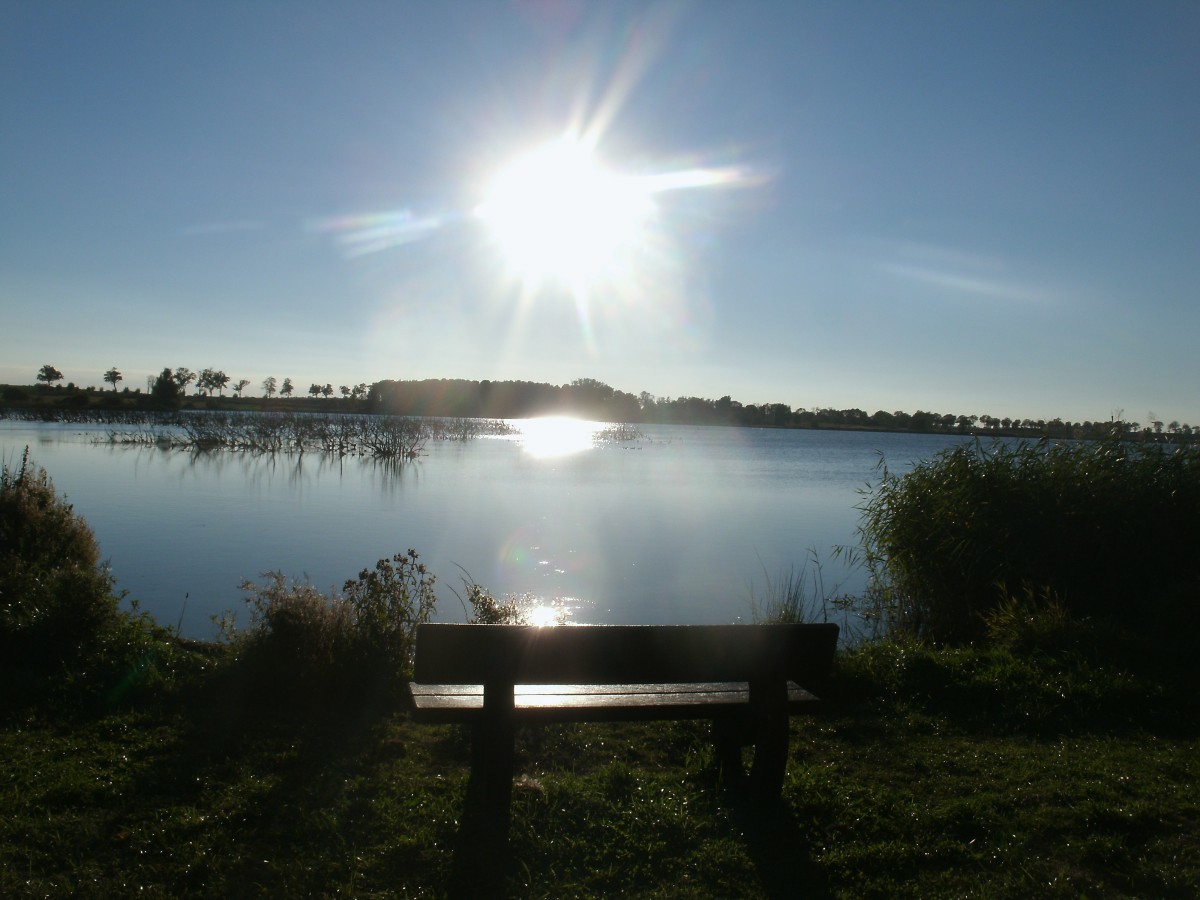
679 527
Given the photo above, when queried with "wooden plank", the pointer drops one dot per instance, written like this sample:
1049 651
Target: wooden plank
464 703
474 654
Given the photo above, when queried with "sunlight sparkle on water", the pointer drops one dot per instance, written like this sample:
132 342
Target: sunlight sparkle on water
543 616
555 436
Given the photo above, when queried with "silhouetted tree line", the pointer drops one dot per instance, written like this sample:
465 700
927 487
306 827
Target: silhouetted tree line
589 398
594 399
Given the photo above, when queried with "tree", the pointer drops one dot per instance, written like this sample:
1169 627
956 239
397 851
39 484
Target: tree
315 390
212 380
49 374
327 391
166 390
345 389
288 387
268 386
240 385
183 377
112 376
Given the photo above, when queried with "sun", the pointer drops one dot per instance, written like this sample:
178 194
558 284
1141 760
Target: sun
559 214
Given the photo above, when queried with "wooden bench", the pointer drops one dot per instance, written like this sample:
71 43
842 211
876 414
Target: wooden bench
746 678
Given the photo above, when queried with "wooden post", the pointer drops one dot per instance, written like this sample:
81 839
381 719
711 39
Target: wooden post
727 740
495 753
768 710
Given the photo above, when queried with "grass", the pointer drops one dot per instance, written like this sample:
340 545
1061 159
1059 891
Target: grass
1058 758
951 772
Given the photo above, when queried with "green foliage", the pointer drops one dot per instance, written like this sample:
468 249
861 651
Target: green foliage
56 598
786 598
487 610
1107 529
62 635
166 391
797 596
352 647
49 374
948 772
389 603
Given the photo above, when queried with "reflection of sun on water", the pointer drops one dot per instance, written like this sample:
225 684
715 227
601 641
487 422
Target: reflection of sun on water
544 615
557 436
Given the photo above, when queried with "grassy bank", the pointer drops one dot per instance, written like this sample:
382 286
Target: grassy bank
931 773
1013 736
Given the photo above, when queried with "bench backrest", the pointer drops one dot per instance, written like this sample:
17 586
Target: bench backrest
622 654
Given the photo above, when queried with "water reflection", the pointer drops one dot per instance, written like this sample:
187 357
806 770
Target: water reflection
677 532
556 436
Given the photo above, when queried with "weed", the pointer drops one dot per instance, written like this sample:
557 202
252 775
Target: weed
315 648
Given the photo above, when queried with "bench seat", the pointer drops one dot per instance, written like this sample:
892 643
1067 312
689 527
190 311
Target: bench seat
546 703
746 679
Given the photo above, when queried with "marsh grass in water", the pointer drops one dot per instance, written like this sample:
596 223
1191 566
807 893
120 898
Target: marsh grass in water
343 434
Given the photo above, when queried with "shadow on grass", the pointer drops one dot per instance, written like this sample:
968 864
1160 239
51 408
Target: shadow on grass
782 851
1038 694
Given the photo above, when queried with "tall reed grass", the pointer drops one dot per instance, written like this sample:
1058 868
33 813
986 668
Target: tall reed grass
1103 529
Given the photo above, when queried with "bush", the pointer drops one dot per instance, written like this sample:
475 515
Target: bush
1106 529
351 647
62 634
56 598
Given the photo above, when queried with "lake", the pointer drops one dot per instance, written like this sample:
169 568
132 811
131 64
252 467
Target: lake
682 526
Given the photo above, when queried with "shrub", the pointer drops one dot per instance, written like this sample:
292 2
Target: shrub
63 637
487 610
1108 529
56 598
345 648
389 603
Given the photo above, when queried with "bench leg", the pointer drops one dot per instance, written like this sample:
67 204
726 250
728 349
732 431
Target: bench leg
492 756
727 741
496 769
768 702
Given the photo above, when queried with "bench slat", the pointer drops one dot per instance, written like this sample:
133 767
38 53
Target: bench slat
474 654
451 703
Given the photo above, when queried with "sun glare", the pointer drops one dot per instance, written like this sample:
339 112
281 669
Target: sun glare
558 214
544 616
557 436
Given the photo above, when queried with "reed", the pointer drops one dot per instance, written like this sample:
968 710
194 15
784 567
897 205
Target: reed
1108 529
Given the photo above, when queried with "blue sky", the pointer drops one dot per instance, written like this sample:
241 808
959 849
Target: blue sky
962 207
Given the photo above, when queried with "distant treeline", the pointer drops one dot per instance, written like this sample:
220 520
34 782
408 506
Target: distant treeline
594 399
586 397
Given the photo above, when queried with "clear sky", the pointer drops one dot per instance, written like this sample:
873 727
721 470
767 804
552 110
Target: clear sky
971 208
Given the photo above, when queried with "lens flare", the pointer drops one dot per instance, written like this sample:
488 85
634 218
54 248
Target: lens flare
558 213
